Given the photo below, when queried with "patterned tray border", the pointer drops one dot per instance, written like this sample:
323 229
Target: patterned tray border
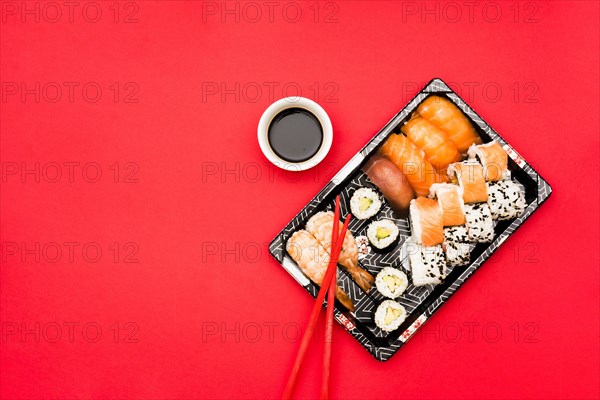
277 246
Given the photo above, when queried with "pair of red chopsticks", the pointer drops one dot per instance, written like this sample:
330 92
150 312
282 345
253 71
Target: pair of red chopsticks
328 286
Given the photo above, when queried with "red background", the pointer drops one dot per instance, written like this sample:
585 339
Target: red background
199 310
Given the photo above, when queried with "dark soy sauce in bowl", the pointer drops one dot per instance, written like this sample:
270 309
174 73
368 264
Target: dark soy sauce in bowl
295 135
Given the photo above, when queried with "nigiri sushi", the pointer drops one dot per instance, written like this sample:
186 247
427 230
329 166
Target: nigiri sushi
451 202
469 176
411 161
444 114
313 260
392 183
320 226
493 158
426 221
439 150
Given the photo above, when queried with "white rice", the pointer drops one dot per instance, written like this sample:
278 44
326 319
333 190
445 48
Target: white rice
387 321
506 199
382 243
480 226
391 282
370 196
427 264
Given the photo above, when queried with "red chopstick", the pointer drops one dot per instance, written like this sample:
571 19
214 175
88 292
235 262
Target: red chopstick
312 321
330 307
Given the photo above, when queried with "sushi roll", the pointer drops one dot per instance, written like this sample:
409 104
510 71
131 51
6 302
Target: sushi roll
426 221
493 158
505 199
391 282
458 250
480 226
469 176
450 199
389 315
427 264
365 203
382 233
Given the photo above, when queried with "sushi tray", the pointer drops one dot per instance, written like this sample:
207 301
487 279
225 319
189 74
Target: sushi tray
431 196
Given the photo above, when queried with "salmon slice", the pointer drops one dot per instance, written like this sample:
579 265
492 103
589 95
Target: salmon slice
411 161
313 260
444 114
391 182
470 178
493 158
439 150
451 203
320 226
426 221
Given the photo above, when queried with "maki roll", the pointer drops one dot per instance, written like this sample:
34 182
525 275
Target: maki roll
505 199
470 177
427 264
365 203
389 315
493 158
480 226
451 203
391 282
426 221
382 233
458 251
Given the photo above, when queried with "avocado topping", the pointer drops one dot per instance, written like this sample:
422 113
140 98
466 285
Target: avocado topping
364 203
383 232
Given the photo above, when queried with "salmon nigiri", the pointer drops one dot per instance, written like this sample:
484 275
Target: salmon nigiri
469 176
493 158
439 150
411 161
451 203
426 221
444 114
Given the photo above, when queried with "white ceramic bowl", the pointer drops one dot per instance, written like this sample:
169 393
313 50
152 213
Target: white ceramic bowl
294 102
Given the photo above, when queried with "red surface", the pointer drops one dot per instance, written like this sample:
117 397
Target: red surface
212 315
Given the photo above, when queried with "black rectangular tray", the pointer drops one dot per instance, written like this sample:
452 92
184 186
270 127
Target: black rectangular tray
419 302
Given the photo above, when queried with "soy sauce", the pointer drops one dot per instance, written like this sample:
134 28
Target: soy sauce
295 135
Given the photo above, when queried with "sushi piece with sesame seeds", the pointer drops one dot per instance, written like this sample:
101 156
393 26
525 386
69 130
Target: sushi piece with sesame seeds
427 263
506 199
480 225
